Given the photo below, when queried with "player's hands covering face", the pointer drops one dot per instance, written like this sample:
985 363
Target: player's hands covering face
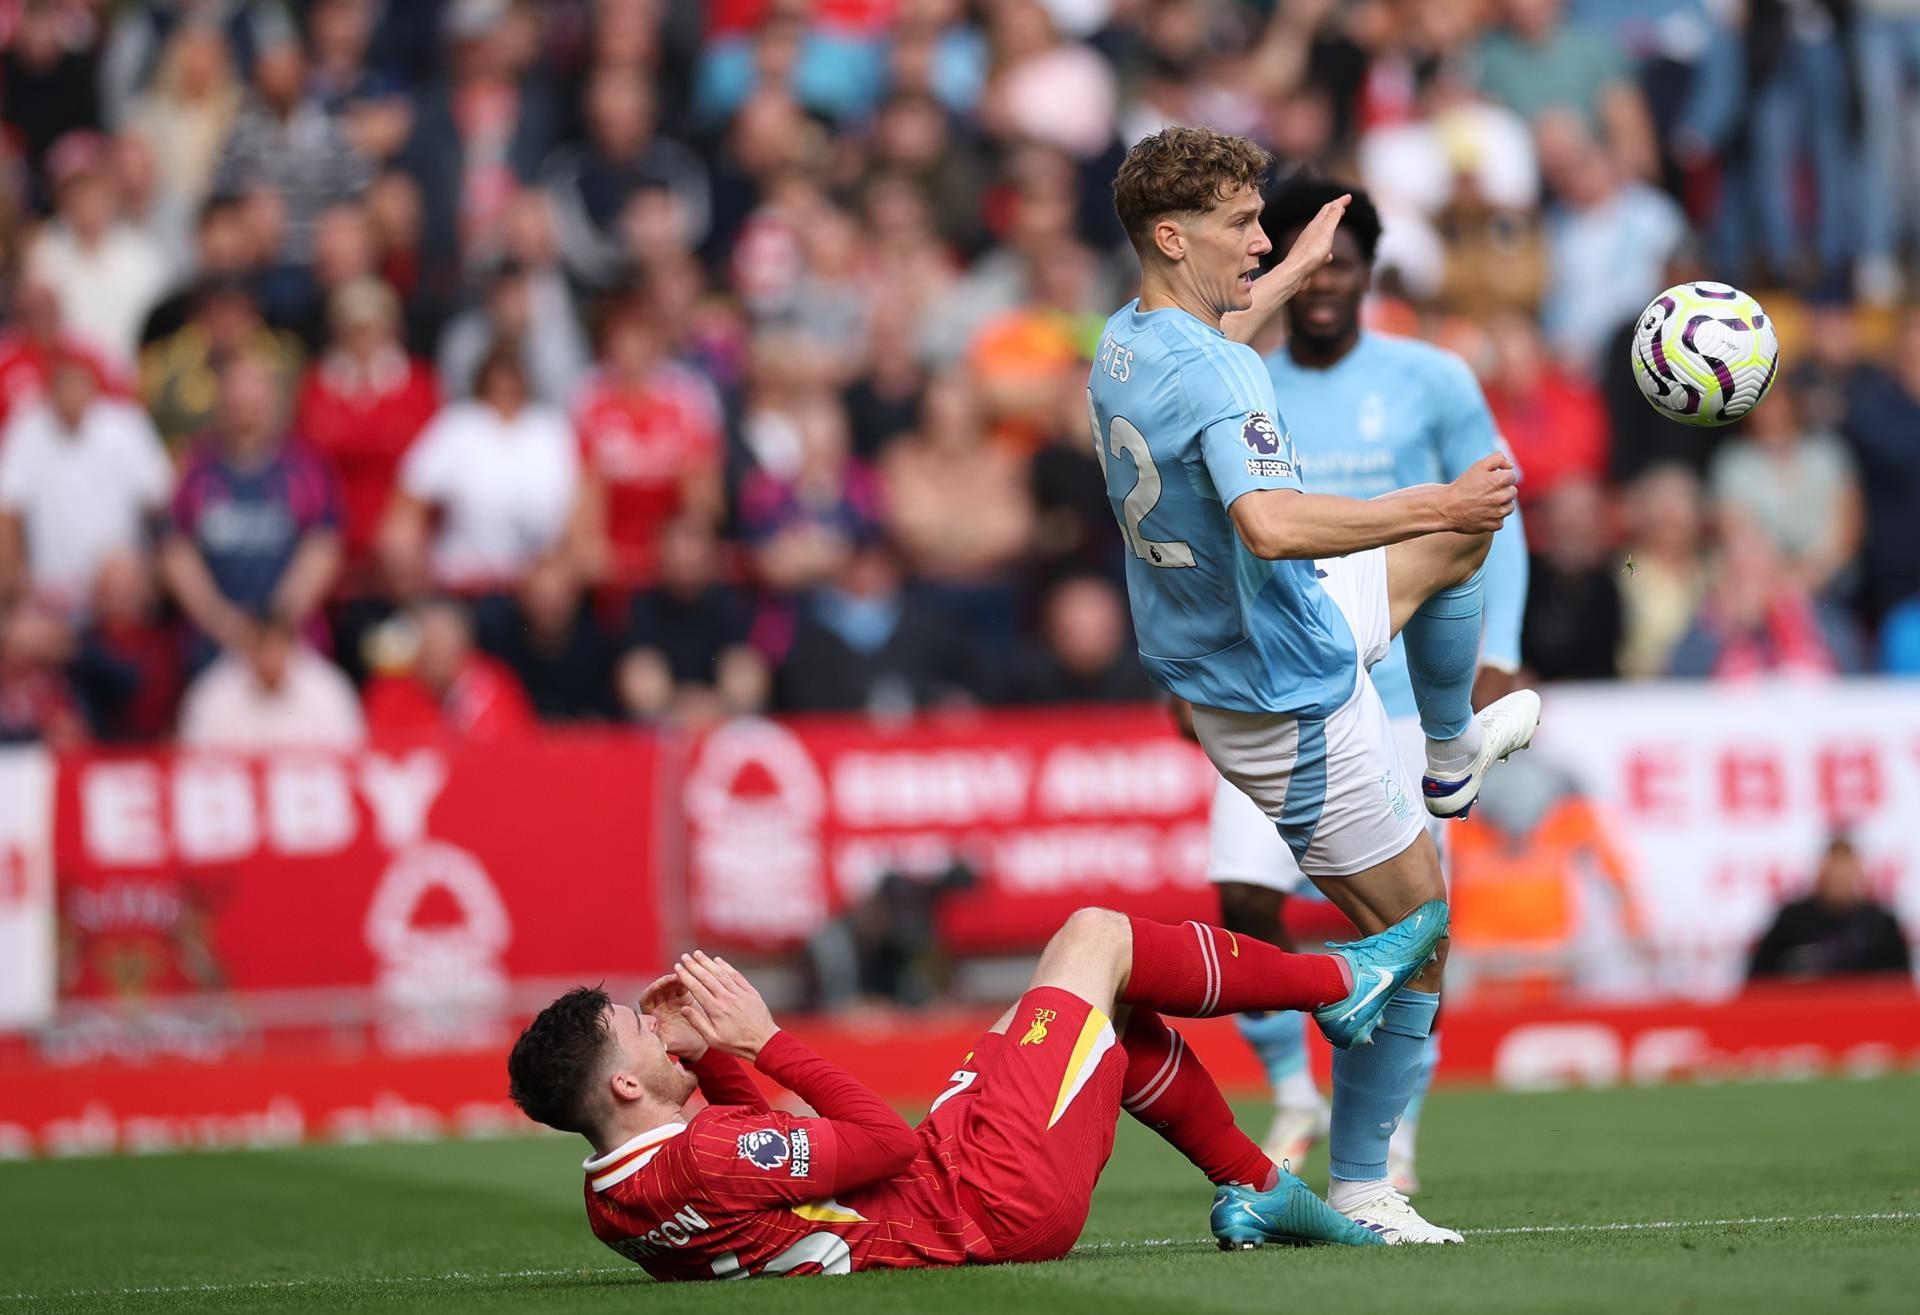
668 1003
1483 497
726 1011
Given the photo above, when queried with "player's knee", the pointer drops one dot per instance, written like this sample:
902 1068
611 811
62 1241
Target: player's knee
1090 928
1247 910
1471 559
1430 977
1091 940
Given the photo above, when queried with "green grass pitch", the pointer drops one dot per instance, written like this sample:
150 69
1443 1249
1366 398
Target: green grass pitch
1801 1197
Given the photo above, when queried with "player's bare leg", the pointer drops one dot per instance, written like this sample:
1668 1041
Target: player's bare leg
1131 969
1433 587
1372 1083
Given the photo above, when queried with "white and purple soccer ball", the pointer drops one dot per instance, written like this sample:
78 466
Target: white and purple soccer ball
1704 353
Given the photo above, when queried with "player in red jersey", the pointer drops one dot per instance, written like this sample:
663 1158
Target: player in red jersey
1003 1166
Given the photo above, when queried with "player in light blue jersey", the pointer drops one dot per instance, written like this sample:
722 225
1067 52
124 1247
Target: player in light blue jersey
1371 414
1262 604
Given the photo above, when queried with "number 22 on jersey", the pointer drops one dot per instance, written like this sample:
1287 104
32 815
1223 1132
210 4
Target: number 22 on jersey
1123 436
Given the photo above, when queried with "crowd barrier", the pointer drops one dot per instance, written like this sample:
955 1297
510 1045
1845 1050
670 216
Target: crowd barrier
307 944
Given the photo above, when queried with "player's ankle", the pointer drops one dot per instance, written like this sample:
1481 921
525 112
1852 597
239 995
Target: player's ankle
1345 1193
1458 753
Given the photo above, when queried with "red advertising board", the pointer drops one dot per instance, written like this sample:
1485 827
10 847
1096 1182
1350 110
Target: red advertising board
293 1088
1052 809
426 872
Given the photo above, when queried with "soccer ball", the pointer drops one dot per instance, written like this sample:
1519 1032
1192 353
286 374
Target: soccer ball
1704 353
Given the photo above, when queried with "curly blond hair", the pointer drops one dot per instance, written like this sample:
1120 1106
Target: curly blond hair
1183 171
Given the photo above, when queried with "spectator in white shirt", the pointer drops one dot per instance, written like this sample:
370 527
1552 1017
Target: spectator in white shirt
81 477
504 474
106 274
278 694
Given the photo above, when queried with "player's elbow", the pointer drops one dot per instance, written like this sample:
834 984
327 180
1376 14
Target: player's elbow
875 1154
1266 528
1270 538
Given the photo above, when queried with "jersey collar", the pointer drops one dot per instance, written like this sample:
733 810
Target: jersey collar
1175 311
628 1158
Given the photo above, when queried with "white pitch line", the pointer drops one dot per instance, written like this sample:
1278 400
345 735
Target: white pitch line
1659 1225
1630 1226
1137 1244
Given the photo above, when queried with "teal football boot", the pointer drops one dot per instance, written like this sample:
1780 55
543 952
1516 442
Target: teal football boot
1381 965
1289 1215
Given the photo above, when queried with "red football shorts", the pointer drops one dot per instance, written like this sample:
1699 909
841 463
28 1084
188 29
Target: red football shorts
1031 1129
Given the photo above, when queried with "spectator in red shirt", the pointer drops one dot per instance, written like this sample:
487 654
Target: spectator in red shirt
32 342
1555 422
451 689
1758 620
364 403
651 447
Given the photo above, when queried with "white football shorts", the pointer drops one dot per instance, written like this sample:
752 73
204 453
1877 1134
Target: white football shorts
1334 790
1244 846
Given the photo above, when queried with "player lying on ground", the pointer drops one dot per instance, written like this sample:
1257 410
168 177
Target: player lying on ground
1371 413
1003 1166
1263 605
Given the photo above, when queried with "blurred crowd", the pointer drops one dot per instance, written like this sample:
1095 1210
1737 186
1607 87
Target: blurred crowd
464 364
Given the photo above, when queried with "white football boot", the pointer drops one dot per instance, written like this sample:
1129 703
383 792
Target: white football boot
1387 1213
1506 727
1295 1130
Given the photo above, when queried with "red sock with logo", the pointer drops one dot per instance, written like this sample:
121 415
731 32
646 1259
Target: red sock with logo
1197 971
1168 1089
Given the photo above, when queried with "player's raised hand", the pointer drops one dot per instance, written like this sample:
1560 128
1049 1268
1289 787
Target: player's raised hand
1314 247
1279 285
1483 497
728 1012
670 1005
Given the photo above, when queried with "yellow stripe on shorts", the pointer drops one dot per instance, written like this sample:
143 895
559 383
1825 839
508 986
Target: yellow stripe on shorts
1095 1039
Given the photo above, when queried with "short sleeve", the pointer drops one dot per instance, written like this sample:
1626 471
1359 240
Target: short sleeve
312 490
750 1158
430 470
147 463
1243 437
16 476
183 512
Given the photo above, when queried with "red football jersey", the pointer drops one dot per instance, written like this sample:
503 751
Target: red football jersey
366 420
644 445
739 1192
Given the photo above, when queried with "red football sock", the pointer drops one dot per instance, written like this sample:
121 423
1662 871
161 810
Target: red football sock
1168 1089
1197 971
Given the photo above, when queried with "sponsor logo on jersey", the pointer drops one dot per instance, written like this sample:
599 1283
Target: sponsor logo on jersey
1037 1029
1260 434
765 1149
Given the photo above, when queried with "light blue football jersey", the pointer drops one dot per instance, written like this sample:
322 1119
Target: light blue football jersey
1390 413
1184 423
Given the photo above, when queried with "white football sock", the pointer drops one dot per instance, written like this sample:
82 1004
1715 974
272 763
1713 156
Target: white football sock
1457 754
1343 1194
1297 1090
